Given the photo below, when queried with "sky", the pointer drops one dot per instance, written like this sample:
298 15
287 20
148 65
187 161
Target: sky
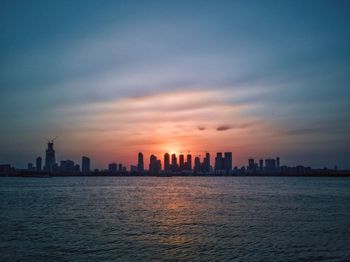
111 78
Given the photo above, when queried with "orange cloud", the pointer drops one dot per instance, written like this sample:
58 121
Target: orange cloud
185 121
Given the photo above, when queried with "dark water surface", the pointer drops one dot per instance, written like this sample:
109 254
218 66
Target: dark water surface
175 218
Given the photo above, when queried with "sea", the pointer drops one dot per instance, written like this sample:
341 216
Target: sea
175 219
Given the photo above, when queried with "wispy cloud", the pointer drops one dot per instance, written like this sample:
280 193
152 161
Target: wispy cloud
223 128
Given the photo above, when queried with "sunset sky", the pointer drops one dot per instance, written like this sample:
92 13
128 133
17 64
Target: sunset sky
112 78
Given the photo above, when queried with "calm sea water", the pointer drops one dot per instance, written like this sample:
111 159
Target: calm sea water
171 219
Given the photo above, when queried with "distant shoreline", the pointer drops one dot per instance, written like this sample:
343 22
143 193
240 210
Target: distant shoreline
33 175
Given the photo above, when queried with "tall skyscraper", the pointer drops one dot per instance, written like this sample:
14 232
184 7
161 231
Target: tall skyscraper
189 162
251 163
197 164
182 162
50 159
158 167
173 162
140 163
278 163
38 164
85 165
218 162
166 162
228 162
207 162
154 165
261 164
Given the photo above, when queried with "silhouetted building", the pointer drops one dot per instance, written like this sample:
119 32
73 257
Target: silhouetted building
166 162
38 164
30 167
140 163
56 168
278 163
261 164
197 164
218 162
270 164
5 169
77 169
50 159
250 163
154 165
67 167
112 168
182 162
206 163
300 170
158 166
189 162
174 166
228 162
252 166
120 168
133 169
85 165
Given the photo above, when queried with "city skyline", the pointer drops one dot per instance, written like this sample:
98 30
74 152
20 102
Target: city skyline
114 78
167 160
184 164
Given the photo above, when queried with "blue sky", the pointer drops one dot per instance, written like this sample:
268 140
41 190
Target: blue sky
106 75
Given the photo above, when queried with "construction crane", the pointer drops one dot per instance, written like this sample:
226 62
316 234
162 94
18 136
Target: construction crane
50 140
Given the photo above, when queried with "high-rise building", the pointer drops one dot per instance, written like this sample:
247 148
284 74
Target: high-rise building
166 162
189 162
154 165
197 164
261 164
67 167
158 167
252 166
270 164
85 165
228 162
112 168
174 162
218 162
38 164
182 162
152 160
278 163
251 163
207 162
140 163
50 159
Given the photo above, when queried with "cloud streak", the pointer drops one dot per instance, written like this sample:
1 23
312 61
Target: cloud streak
223 128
